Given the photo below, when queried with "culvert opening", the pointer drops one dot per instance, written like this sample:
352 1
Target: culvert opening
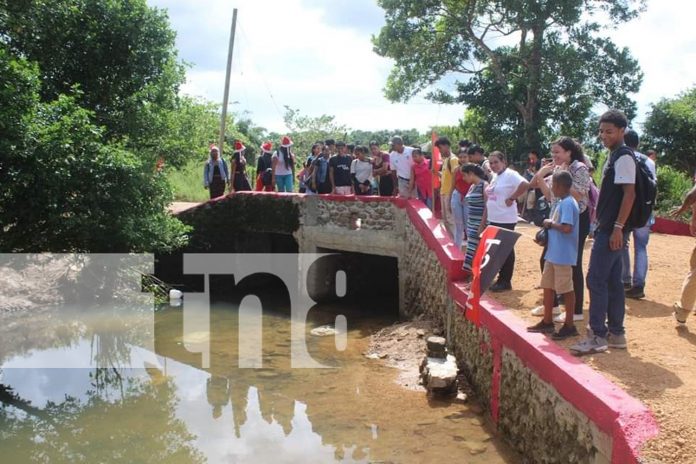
361 279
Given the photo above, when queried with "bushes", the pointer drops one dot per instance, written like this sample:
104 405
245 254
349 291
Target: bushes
66 190
672 185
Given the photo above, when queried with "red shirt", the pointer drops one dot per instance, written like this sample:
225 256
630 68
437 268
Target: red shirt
459 184
424 178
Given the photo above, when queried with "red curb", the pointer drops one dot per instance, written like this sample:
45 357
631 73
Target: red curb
621 416
669 227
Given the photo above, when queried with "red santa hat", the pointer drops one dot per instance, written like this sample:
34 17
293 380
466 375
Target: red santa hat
285 142
267 147
238 146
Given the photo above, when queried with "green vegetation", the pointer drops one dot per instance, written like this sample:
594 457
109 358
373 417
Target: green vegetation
672 184
671 129
187 182
518 94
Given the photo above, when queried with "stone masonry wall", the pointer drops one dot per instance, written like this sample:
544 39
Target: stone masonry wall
425 281
541 424
377 215
535 419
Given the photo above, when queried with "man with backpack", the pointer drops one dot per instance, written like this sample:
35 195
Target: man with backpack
264 169
635 285
616 198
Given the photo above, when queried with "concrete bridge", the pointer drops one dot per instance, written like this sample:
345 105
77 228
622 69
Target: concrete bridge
547 403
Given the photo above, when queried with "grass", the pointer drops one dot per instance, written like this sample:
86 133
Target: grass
187 183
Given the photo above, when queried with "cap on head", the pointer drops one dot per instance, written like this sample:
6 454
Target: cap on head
397 140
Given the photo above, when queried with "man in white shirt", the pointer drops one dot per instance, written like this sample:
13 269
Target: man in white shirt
401 161
635 284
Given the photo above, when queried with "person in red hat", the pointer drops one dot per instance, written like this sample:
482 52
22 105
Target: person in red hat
215 173
264 168
284 166
239 180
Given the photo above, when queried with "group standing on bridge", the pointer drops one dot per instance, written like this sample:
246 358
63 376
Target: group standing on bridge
476 191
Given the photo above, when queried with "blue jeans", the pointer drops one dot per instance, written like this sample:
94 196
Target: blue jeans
284 183
607 300
460 213
640 264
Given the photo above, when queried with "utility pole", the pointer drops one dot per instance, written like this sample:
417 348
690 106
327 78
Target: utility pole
227 81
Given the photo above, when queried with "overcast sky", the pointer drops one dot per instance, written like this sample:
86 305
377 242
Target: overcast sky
316 55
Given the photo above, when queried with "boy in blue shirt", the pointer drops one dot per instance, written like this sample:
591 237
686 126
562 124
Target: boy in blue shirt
561 256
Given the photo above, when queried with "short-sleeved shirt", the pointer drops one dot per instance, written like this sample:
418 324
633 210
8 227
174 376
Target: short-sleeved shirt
582 181
341 167
449 168
563 248
500 189
362 170
401 162
648 162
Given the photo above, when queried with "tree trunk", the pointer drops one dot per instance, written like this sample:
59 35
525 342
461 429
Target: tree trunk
530 115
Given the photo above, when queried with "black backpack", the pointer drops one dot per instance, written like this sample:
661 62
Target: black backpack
646 191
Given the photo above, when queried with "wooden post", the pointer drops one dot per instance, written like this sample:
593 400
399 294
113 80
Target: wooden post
227 81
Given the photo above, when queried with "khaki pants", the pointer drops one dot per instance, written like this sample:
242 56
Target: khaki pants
688 293
446 208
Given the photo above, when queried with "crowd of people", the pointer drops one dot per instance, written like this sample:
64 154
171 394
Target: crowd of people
557 193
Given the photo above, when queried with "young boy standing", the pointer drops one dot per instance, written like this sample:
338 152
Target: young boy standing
561 256
604 276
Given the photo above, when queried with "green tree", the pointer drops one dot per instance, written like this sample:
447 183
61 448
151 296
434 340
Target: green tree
671 129
530 67
306 130
121 55
64 189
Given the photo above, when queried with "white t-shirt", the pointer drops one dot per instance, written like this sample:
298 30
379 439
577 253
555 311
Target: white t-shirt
362 170
281 169
624 170
402 162
648 162
501 188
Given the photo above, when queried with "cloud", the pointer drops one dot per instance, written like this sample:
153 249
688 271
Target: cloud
317 56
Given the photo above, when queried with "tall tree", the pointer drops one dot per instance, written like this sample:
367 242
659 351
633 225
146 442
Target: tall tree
120 54
532 67
671 129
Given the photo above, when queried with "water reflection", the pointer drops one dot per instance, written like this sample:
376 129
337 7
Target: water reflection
171 410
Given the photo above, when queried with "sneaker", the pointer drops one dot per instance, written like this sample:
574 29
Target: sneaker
680 314
627 286
542 327
565 332
635 292
539 311
500 287
576 317
616 341
590 345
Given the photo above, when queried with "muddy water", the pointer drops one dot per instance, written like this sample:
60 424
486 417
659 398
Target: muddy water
132 400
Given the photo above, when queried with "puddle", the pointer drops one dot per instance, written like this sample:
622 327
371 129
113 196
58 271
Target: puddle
134 400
